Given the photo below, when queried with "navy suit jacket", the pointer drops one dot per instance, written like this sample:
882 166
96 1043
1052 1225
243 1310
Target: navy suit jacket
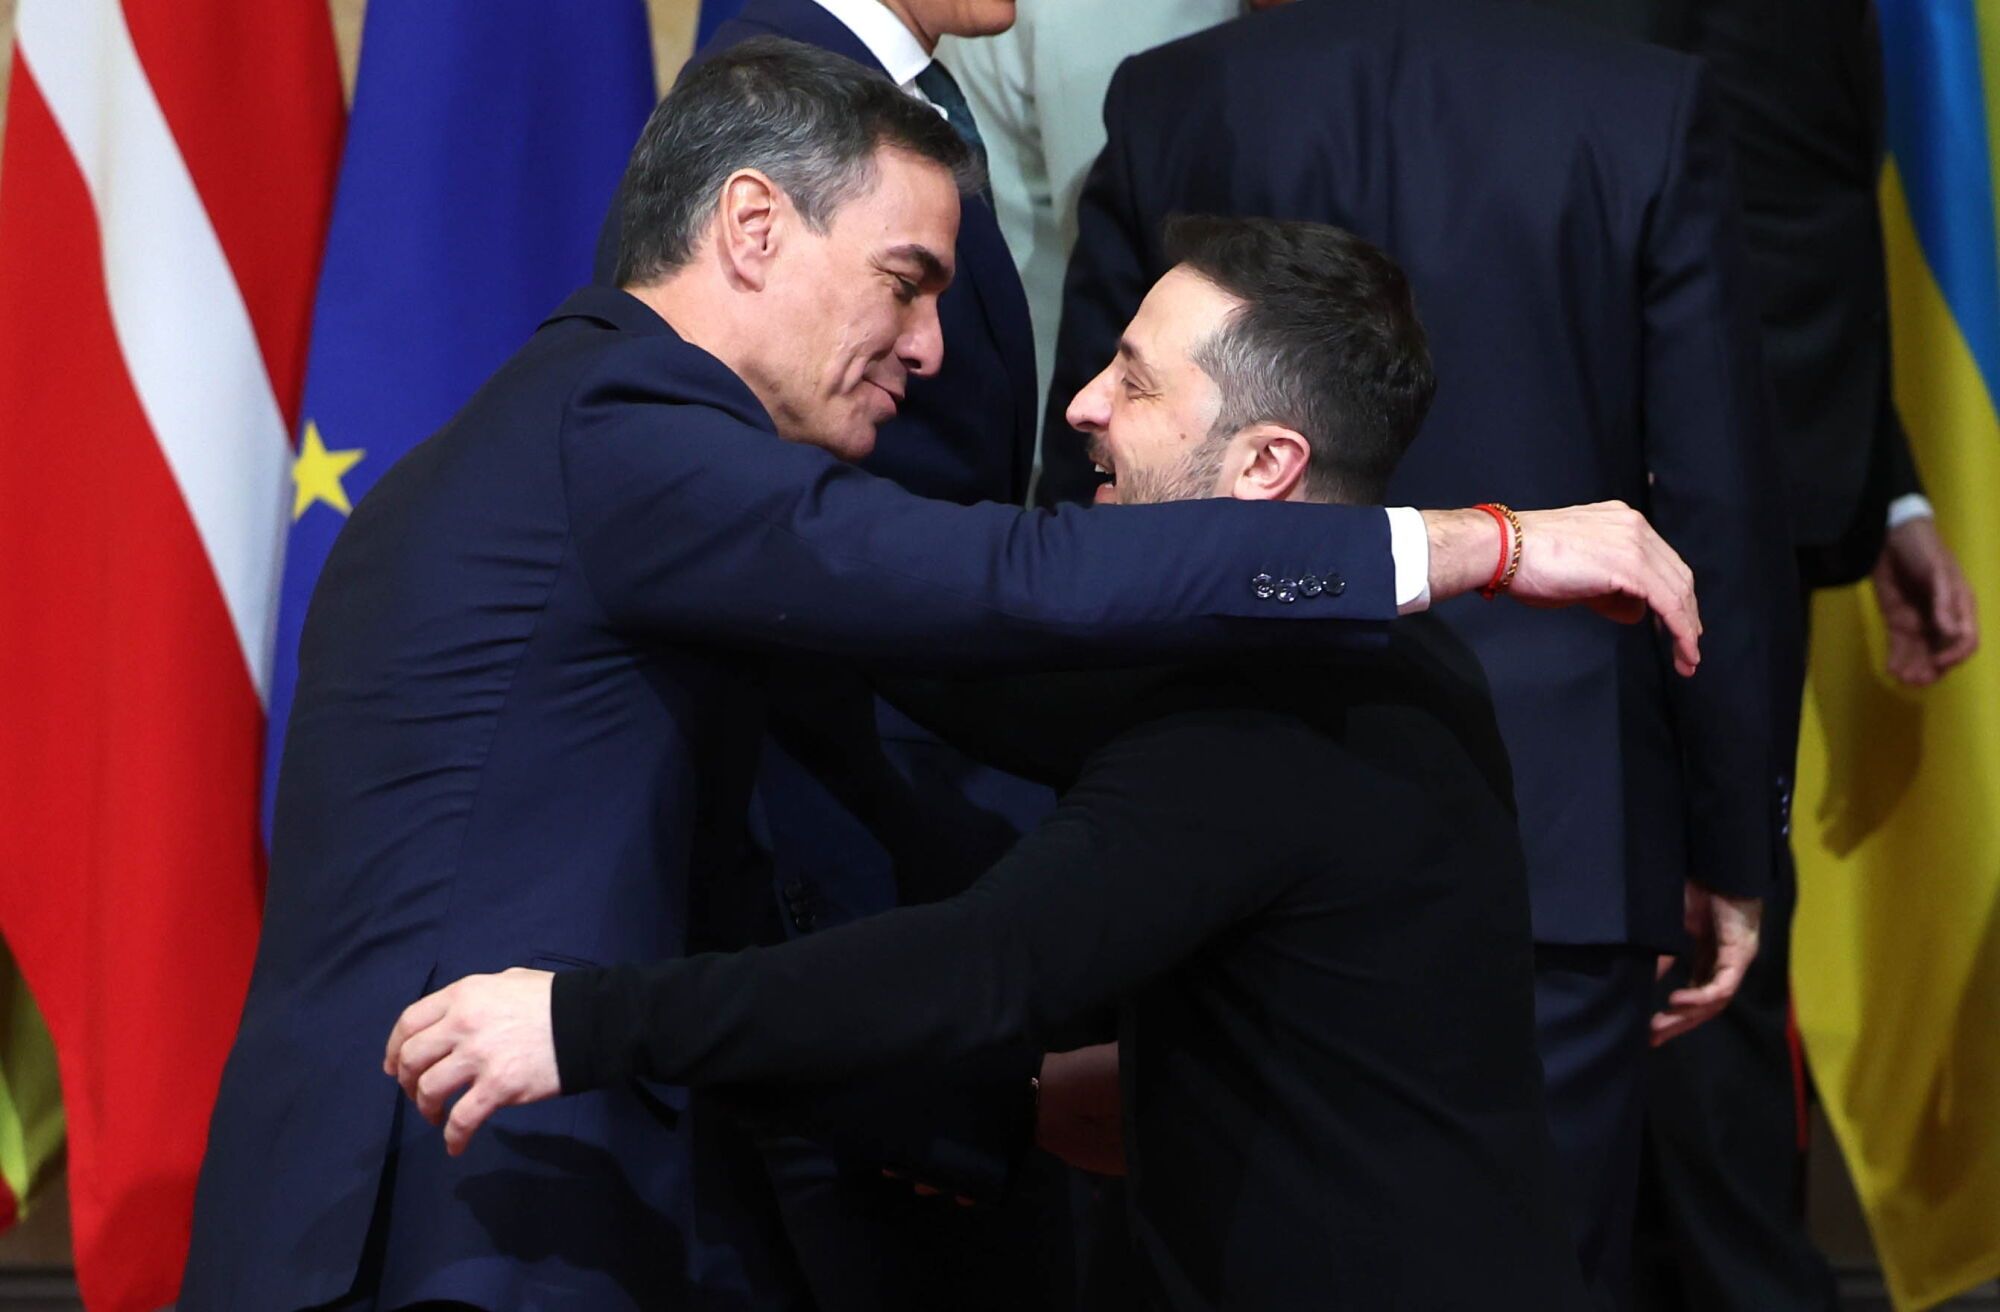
827 848
1800 85
521 726
966 434
1561 203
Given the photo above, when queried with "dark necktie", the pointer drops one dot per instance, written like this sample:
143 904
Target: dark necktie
937 83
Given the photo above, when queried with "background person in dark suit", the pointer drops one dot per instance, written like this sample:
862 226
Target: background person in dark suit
1799 84
1560 202
1300 874
524 718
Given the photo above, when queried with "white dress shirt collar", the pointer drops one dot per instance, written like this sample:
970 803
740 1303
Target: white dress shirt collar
893 45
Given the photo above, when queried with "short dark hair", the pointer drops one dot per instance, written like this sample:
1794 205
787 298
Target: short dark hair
809 119
1327 342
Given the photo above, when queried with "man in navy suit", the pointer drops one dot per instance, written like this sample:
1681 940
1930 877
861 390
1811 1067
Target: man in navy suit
965 434
1722 1200
1560 202
528 705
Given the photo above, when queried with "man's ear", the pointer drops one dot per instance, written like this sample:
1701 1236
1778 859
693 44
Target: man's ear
750 222
1270 463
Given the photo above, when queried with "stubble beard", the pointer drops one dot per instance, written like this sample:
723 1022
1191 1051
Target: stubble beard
1191 478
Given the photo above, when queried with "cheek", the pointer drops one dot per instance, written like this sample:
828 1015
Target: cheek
843 348
868 335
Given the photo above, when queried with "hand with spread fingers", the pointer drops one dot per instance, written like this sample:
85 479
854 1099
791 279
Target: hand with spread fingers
487 1038
1725 933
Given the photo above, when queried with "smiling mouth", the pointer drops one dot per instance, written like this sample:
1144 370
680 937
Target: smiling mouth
1107 473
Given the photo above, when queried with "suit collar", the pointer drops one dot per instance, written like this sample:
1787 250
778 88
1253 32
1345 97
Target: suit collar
614 309
899 52
700 378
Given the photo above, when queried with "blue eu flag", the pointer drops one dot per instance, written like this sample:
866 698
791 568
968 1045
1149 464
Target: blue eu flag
486 143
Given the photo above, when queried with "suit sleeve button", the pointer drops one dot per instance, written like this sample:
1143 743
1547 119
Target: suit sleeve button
1264 586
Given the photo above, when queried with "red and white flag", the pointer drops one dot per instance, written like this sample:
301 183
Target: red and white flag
164 192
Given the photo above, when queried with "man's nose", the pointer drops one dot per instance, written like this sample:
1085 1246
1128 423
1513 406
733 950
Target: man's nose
921 347
1090 410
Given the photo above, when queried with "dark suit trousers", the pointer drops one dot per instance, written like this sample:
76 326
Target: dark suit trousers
1721 1217
1722 1197
1592 1005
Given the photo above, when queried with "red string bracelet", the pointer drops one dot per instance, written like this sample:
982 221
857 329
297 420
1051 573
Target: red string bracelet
1494 584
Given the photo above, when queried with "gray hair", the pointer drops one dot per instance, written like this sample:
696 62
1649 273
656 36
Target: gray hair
809 120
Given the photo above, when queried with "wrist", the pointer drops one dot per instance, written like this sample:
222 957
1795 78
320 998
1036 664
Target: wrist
1463 544
1509 559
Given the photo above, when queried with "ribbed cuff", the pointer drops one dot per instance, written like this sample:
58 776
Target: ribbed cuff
577 1066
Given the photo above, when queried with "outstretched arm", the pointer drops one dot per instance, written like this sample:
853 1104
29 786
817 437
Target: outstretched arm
694 524
1120 883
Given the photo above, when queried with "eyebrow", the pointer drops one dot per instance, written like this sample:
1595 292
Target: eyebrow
1131 352
935 269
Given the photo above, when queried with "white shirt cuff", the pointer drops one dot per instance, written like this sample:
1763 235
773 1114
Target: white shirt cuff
1410 548
1903 509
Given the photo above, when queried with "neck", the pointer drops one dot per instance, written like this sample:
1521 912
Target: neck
702 312
901 9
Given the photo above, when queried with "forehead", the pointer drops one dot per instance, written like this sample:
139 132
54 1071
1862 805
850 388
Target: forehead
913 201
1179 313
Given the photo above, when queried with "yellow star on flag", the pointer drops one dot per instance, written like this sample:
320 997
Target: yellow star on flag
316 473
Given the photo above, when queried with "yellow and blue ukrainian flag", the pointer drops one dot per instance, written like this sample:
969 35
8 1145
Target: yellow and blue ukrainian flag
1896 952
485 146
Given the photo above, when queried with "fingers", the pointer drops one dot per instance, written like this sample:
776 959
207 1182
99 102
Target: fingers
467 1115
1712 994
1655 574
932 1191
419 1053
1650 587
1672 597
1686 635
419 1015
926 1191
1698 1004
1909 660
1671 1024
1955 621
1666 963
437 1085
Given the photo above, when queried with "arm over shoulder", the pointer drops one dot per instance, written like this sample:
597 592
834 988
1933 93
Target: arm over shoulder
691 522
